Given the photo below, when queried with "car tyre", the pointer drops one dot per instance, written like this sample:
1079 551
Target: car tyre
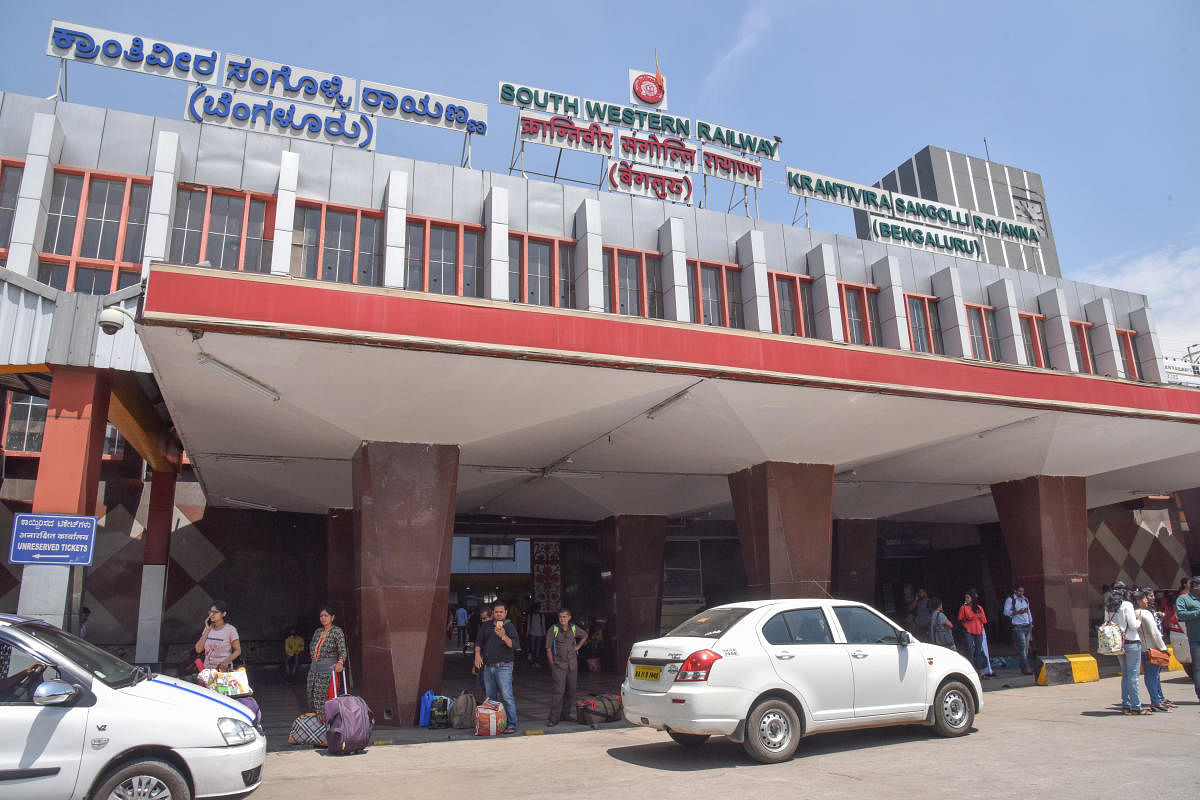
953 709
772 731
150 778
690 740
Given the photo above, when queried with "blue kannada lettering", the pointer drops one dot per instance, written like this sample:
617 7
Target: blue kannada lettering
160 54
240 72
375 98
202 105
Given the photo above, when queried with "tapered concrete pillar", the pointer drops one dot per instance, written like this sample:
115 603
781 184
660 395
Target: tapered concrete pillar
855 550
631 558
1189 502
404 522
68 477
341 550
784 517
1044 523
155 552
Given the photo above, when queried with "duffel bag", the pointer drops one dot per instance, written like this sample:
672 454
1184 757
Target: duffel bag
349 724
462 713
307 729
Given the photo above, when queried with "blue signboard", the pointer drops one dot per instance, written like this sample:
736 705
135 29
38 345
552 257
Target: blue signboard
64 539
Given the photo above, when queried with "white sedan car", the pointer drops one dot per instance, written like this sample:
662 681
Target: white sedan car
77 722
768 672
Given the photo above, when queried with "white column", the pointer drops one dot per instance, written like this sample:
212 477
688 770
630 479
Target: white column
827 307
956 334
44 592
1102 339
589 256
395 229
1003 296
893 311
167 163
150 611
33 197
1148 352
495 245
285 212
1059 337
673 247
756 298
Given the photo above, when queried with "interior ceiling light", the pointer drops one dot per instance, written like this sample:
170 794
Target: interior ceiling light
235 501
239 377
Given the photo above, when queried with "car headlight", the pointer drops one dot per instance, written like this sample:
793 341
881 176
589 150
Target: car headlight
235 731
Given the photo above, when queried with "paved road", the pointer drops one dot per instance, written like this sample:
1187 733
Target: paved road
1063 741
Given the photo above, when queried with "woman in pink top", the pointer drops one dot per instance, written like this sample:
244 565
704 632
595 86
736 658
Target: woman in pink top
972 618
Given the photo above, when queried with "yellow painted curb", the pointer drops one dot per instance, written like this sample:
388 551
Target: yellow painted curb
1083 667
1174 662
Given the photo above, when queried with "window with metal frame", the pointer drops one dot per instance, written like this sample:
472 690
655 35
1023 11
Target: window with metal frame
981 321
342 244
26 425
1083 346
632 282
791 304
1127 344
231 229
1036 353
10 187
493 549
924 325
443 257
102 252
541 269
719 299
860 312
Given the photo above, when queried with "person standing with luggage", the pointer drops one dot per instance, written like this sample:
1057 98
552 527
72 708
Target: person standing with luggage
219 640
328 652
494 650
1016 608
563 643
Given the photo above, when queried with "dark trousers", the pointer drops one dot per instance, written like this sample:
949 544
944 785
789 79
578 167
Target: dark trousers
562 702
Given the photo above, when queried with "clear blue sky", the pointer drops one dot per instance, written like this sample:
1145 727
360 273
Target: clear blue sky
1100 98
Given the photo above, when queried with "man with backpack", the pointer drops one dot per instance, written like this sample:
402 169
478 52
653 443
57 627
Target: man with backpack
563 642
1016 608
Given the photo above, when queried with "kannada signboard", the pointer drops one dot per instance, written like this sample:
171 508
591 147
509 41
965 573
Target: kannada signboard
61 539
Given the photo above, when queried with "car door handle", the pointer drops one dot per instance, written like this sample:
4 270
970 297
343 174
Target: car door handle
858 654
784 656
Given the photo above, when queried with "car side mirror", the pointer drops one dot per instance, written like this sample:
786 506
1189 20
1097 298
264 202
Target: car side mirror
904 638
54 693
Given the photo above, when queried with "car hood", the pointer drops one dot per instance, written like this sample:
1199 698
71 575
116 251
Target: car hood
187 698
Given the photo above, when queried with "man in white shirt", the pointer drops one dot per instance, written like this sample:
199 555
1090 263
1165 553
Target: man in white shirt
1016 608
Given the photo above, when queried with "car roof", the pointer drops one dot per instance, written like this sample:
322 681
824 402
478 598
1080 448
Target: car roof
14 619
805 601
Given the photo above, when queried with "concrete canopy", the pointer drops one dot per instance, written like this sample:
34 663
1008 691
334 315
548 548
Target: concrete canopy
273 383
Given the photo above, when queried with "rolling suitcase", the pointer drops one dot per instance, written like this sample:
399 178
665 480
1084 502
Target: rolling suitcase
348 721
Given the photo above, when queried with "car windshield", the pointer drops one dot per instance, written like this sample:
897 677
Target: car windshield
104 666
711 624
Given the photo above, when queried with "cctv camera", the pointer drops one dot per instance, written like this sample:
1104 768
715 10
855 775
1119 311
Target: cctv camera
112 319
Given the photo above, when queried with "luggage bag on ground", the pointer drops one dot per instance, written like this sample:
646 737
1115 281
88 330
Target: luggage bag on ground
490 718
348 721
599 708
307 729
462 713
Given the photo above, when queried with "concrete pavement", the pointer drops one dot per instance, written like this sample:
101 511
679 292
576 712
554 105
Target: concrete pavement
1063 741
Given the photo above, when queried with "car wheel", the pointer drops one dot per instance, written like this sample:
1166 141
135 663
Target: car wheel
688 739
953 709
151 780
772 731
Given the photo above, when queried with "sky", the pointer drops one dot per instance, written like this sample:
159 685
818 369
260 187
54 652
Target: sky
1100 98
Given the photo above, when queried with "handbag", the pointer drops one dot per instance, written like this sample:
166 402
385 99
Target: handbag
1109 639
1159 658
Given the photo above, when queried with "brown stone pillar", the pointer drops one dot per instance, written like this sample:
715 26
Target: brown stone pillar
341 550
1044 522
1189 503
856 549
631 560
785 518
404 520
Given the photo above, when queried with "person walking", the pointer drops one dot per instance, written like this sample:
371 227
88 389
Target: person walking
941 629
920 612
972 618
1016 608
537 635
327 649
460 626
1151 633
293 646
494 651
1187 610
1120 612
563 642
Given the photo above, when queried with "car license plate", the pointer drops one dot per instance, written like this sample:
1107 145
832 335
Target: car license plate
646 673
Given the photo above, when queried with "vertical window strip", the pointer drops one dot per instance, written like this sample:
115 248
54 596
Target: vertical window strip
993 338
655 307
1033 353
786 319
918 328
10 186
978 338
1083 354
566 276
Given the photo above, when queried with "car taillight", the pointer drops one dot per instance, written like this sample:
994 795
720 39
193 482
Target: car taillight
697 666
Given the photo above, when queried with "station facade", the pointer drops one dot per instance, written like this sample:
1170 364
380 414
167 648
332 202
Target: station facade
349 366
